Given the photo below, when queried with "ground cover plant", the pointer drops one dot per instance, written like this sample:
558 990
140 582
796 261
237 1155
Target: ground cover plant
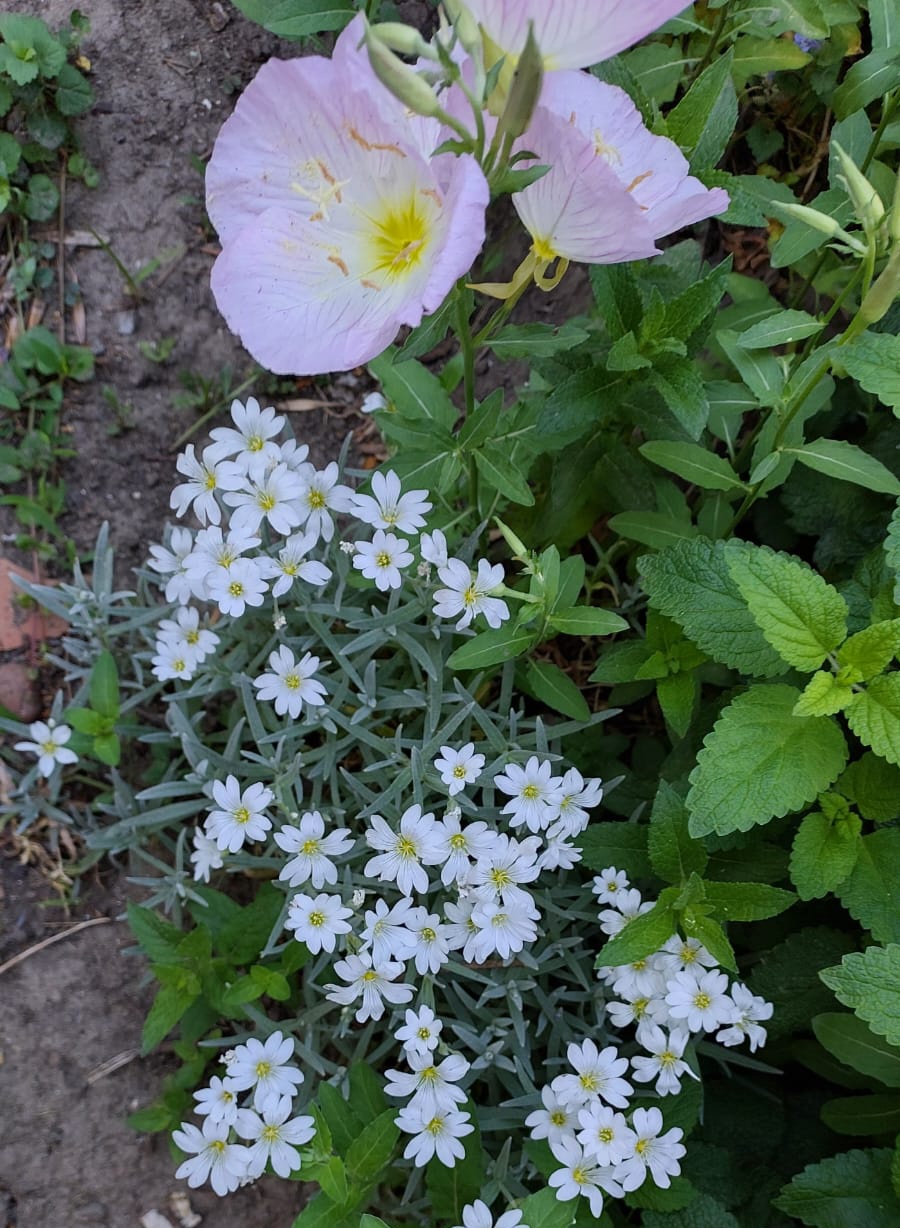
524 813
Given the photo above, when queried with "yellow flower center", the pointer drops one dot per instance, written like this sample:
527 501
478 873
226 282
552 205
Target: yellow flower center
429 934
458 841
370 975
309 847
428 1075
606 1134
558 1118
217 1145
460 771
317 918
500 878
639 1006
263 1069
270 1134
531 793
423 1034
255 443
499 918
49 747
667 1058
236 588
178 665
544 250
192 637
435 1126
702 1001
210 481
580 1176
406 847
315 499
641 1146
688 954
470 595
383 559
242 815
589 1081
399 239
266 500
292 681
289 569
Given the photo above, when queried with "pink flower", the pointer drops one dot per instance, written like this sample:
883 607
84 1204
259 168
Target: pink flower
337 225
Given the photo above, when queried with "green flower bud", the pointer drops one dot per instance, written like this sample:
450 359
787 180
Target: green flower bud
881 296
402 38
866 201
403 82
525 89
894 229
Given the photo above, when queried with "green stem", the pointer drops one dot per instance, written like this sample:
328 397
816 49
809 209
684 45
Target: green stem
467 349
479 119
714 39
233 392
887 110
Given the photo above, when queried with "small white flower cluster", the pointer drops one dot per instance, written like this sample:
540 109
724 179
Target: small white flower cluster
49 745
270 488
271 1135
680 988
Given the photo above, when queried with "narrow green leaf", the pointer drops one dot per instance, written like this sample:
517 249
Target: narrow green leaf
747 901
782 328
856 1045
869 78
863 1115
502 475
587 620
848 463
491 648
104 687
655 529
693 463
551 686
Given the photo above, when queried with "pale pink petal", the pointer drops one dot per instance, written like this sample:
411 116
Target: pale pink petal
465 197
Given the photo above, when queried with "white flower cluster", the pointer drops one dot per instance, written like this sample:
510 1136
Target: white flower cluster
49 745
271 490
271 1135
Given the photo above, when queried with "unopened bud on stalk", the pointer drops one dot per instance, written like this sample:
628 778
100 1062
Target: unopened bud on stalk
894 228
525 89
402 38
515 543
468 32
821 222
885 289
403 82
866 201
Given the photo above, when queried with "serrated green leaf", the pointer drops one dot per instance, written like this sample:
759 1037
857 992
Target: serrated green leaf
856 1045
874 716
622 845
73 94
692 584
848 463
823 855
782 328
892 550
871 650
802 616
693 463
871 893
747 901
640 937
704 119
674 855
551 686
703 1211
852 1190
587 620
679 382
823 695
761 762
873 785
491 648
158 939
656 529
544 1210
874 362
869 983
168 1007
677 695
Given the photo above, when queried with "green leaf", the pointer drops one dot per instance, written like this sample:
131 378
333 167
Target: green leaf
761 372
656 529
85 720
857 1046
848 463
411 388
884 23
547 683
449 1189
367 1098
761 762
852 1190
158 939
369 1155
586 620
873 785
802 616
640 937
874 1114
703 1211
692 584
501 474
321 1212
298 18
757 57
823 695
73 94
340 1118
531 341
107 748
871 894
867 79
693 463
874 362
874 716
168 1006
677 695
869 983
711 935
244 989
823 855
622 845
782 328
747 901
42 198
104 689
491 648
704 119
674 855
871 650
544 1210
680 383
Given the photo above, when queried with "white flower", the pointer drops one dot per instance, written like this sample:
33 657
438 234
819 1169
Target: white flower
292 564
680 954
609 884
386 931
314 851
459 844
388 508
381 559
666 1063
577 797
184 631
251 441
173 660
434 1134
274 1138
432 1086
642 979
628 904
431 950
49 745
459 768
509 863
321 495
206 856
478 1215
468 593
534 791
700 999
637 1009
241 585
503 927
434 548
559 854
205 476
317 920
273 497
240 815
597 1076
421 1031
605 1134
744 1019
404 852
462 932
264 1067
171 563
660 1154
218 1101
215 551
554 1121
291 683
371 982
224 1163
581 1175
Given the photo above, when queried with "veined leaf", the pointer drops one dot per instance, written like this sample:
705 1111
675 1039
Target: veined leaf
848 463
693 463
